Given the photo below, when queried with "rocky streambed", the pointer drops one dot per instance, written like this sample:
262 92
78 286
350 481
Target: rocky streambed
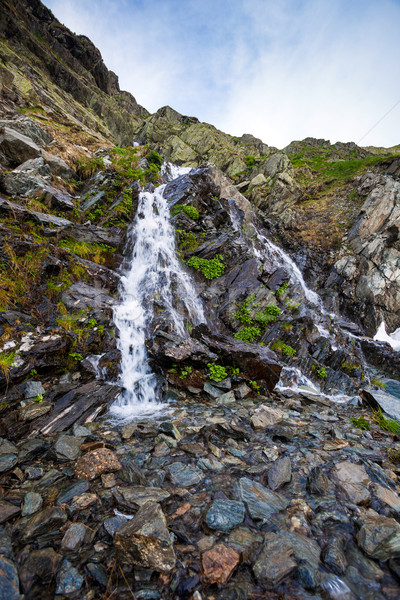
234 496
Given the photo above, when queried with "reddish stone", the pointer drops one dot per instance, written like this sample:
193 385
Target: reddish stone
96 462
219 564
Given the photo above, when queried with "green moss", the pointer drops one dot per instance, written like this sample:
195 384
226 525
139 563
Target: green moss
281 290
210 268
190 211
378 383
155 159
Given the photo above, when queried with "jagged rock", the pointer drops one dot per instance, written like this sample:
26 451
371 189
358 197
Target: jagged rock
275 561
184 475
224 515
9 582
33 389
8 511
353 479
378 399
57 165
74 537
265 416
82 296
259 179
7 447
145 540
94 463
39 569
69 580
32 503
227 398
28 127
280 473
16 211
46 521
379 536
67 447
387 497
130 498
28 179
15 148
261 502
334 556
55 198
167 348
219 564
7 462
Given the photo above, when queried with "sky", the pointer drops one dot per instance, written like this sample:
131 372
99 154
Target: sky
282 70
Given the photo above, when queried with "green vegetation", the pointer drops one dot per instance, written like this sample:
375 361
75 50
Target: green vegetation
250 161
255 386
6 362
254 325
154 158
210 268
97 253
217 372
190 211
321 372
378 383
350 367
394 455
19 275
281 290
76 356
189 241
283 348
291 304
38 398
248 334
183 371
392 425
233 371
361 423
86 166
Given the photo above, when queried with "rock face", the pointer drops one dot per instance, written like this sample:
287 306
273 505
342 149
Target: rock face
145 540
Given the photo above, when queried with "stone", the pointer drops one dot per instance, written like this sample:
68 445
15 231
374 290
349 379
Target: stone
317 482
46 521
244 541
28 179
33 389
113 523
32 503
28 127
33 472
145 540
224 515
275 561
225 399
7 462
259 179
69 580
128 430
334 556
8 511
55 198
39 569
15 147
57 165
379 536
242 391
265 416
74 537
280 473
98 573
67 447
75 489
34 411
108 480
7 447
169 429
94 463
261 502
184 475
9 582
387 497
218 564
212 391
353 479
130 498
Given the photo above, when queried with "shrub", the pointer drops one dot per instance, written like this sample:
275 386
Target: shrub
217 372
281 290
248 334
361 423
154 158
250 161
392 425
210 268
190 211
283 348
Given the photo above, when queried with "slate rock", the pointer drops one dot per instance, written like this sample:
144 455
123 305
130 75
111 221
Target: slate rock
334 556
317 482
46 521
265 416
29 128
227 398
5 543
132 497
275 561
113 523
9 582
7 462
69 580
94 463
67 447
184 475
98 573
15 147
280 473
39 568
33 472
32 503
169 429
211 390
145 540
379 536
224 515
32 449
388 498
261 502
8 511
353 479
74 537
7 447
219 563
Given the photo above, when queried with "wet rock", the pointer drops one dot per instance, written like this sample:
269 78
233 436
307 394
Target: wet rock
128 430
353 479
69 579
280 473
108 480
225 399
242 391
334 556
8 511
46 521
113 523
317 482
67 447
7 462
169 429
9 582
39 568
265 416
145 540
211 390
275 561
131 473
94 463
261 502
184 475
219 563
387 497
32 449
244 541
76 489
7 447
379 536
33 389
74 537
32 503
224 515
131 498
55 199
98 573
33 472
15 147
83 296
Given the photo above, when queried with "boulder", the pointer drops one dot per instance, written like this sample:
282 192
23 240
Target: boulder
275 561
353 479
94 463
219 563
29 128
261 502
266 416
379 536
16 148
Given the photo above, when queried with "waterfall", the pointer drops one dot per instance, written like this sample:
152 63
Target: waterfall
154 279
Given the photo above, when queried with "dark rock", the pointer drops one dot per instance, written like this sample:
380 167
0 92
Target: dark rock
57 165
32 449
69 579
261 502
211 390
33 472
7 447
39 569
7 462
184 475
33 389
8 511
16 211
5 543
224 515
145 540
9 582
15 148
379 536
280 473
130 498
275 561
334 556
74 537
169 429
98 573
55 198
113 523
28 127
353 479
46 521
67 447
32 503
83 296
317 482
131 473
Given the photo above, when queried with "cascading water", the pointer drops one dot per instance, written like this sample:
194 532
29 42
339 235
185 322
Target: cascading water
154 277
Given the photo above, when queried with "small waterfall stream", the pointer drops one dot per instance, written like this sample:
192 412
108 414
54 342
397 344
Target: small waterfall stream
154 280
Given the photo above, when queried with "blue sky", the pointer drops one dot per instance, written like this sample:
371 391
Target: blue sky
279 69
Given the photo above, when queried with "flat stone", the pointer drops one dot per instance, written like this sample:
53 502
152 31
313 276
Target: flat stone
169 429
211 390
33 472
145 540
133 497
8 511
128 430
275 561
219 564
108 480
94 463
34 411
224 515
69 579
15 147
379 536
76 489
242 391
39 569
184 475
7 462
244 541
388 497
74 537
280 473
33 389
261 502
113 523
259 179
228 398
9 582
32 503
353 479
67 447
7 447
266 416
46 521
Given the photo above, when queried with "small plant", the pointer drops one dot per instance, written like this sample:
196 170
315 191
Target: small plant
244 310
321 373
378 383
394 455
391 425
6 362
217 372
32 373
190 211
250 161
153 158
233 371
185 371
283 348
292 304
86 167
210 268
255 387
76 356
361 423
38 398
248 334
92 323
281 290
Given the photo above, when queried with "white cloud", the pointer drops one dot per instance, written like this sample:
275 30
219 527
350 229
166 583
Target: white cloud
281 70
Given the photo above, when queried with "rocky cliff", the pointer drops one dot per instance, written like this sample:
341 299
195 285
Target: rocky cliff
272 467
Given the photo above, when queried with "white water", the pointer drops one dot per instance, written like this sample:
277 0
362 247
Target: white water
154 279
391 338
293 380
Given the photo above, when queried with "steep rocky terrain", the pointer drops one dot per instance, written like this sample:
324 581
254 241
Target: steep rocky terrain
272 470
